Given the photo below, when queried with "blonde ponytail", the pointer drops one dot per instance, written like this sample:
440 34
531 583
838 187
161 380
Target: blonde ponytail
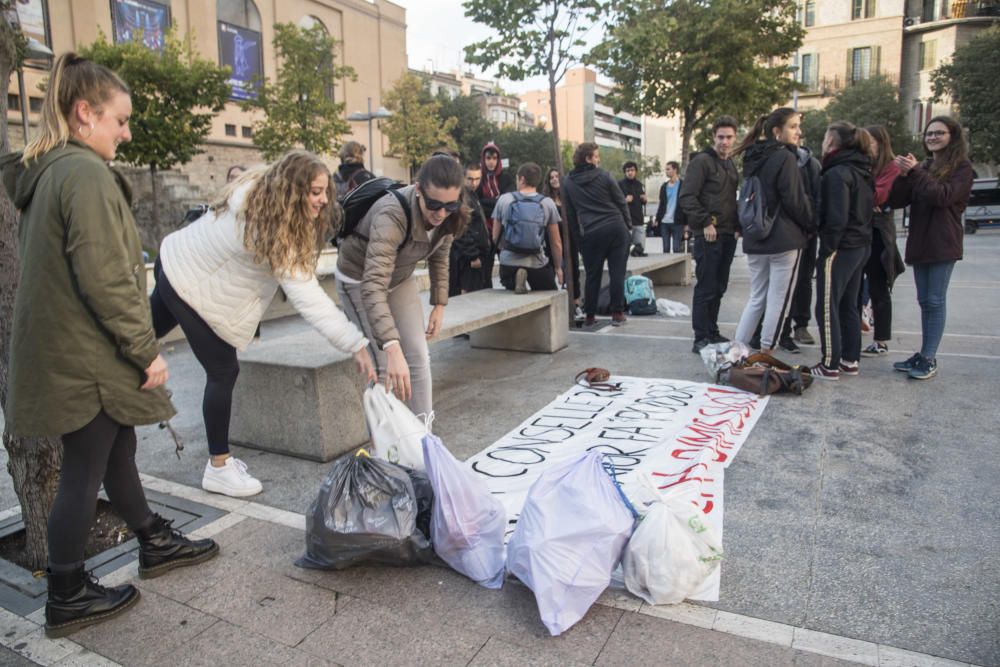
73 79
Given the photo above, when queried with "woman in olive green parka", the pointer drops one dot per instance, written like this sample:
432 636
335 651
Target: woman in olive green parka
84 362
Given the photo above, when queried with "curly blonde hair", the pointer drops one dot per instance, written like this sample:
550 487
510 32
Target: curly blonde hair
278 224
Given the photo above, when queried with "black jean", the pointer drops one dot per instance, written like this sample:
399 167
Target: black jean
101 451
215 355
611 244
543 278
713 260
838 279
878 290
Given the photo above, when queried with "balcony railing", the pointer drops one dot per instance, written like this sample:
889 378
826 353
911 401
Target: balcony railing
961 9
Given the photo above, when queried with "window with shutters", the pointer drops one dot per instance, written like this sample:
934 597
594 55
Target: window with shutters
809 72
809 13
862 9
862 63
928 54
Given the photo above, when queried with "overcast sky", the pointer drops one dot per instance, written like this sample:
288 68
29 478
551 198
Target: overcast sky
436 32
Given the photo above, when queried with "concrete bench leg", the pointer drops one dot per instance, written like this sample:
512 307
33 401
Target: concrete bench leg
675 274
543 330
311 413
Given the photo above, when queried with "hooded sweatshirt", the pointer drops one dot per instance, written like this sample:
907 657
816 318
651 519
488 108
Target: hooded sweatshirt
494 183
847 201
777 166
82 332
592 199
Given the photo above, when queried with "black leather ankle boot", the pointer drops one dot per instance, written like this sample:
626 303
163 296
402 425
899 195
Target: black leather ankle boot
162 548
76 600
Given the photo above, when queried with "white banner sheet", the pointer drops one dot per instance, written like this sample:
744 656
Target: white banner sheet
672 430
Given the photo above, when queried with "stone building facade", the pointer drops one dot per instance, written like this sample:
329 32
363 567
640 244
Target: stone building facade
371 36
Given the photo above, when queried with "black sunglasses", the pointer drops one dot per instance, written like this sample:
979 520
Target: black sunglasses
435 205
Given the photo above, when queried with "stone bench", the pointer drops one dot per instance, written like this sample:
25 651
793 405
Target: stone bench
280 307
299 395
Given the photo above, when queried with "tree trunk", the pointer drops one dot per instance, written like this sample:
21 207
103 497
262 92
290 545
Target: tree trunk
686 133
564 223
155 213
33 463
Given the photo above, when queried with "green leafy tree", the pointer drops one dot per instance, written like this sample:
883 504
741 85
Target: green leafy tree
614 159
175 95
814 124
699 58
415 129
874 101
520 146
33 463
533 37
471 131
970 80
299 107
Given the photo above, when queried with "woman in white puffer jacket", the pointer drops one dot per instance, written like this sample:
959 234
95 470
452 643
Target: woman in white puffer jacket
217 276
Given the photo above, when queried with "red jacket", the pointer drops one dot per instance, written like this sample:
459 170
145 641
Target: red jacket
935 212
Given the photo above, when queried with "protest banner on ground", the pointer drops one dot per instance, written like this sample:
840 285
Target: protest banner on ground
672 430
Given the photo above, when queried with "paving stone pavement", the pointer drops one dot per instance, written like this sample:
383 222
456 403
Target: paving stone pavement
860 525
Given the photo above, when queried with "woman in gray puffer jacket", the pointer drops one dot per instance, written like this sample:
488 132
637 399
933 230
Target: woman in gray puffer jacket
773 261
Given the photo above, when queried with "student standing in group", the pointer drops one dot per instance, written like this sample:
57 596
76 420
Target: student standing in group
217 276
669 216
635 198
524 220
770 153
470 252
937 191
375 278
552 188
847 199
708 199
84 361
594 201
351 173
494 182
884 262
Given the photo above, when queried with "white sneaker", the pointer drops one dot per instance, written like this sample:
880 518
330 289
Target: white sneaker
232 479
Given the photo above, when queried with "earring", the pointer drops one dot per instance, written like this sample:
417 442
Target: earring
80 131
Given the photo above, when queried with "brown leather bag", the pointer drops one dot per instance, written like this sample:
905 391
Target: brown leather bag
764 375
596 378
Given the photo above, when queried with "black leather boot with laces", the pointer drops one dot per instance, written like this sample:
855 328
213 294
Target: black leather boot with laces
163 548
77 600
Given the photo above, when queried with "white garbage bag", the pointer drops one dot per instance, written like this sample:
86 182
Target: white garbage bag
569 538
672 308
467 521
673 549
395 431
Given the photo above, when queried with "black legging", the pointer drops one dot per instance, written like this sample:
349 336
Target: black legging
878 290
103 450
215 355
612 243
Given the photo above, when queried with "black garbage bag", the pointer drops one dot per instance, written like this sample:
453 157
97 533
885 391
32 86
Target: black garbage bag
369 511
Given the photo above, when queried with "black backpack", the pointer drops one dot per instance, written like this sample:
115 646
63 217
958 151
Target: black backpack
359 201
752 210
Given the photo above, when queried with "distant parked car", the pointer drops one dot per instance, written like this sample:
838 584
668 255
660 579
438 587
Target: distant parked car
983 210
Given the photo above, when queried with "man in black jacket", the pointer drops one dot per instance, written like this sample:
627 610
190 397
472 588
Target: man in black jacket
635 198
470 253
708 199
593 200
